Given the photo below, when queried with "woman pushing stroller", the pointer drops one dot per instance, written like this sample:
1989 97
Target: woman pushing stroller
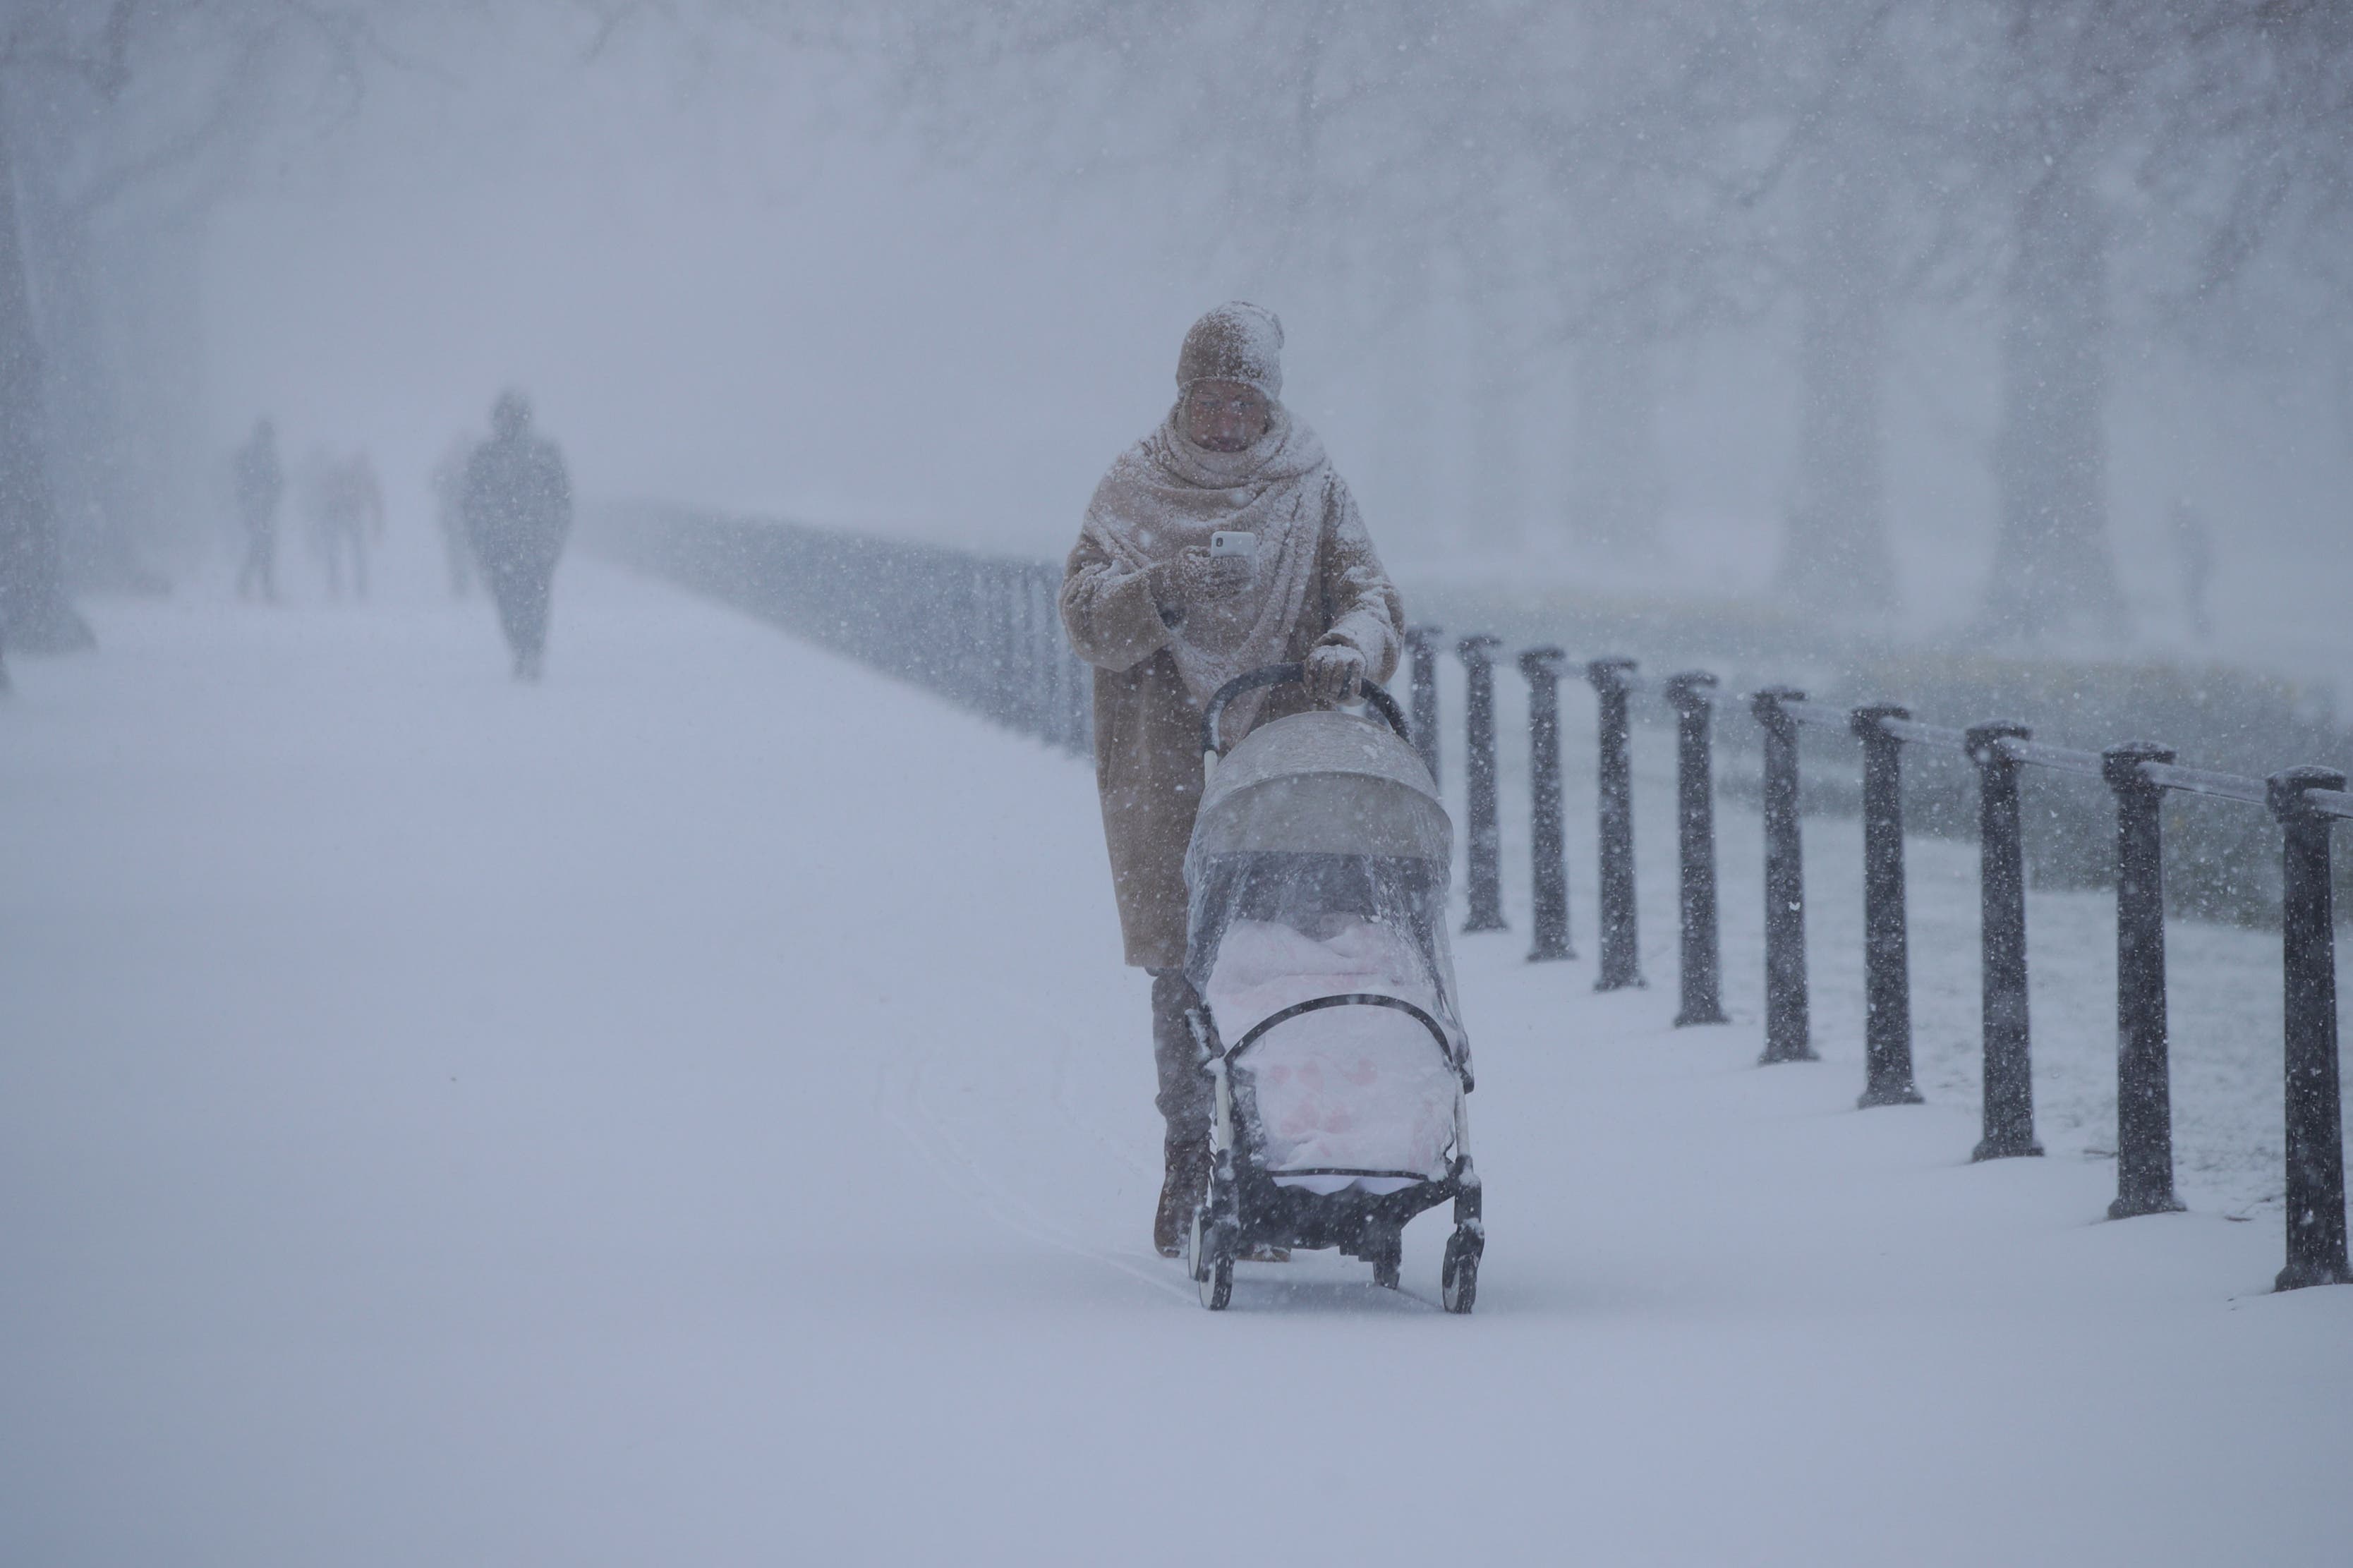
1220 543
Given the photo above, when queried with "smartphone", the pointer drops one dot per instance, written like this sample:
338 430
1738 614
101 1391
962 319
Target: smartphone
1234 541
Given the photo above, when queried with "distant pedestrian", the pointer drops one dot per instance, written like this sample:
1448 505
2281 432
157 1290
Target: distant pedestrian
449 515
346 517
518 507
261 485
2193 558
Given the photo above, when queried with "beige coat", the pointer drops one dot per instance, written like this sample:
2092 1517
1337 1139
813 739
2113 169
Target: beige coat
1148 729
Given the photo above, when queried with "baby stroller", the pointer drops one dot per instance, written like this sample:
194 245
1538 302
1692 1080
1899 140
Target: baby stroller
1317 876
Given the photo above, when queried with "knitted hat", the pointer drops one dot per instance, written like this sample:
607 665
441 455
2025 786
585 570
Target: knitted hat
1236 342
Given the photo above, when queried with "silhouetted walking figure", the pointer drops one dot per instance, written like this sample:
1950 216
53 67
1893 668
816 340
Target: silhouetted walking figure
260 484
518 507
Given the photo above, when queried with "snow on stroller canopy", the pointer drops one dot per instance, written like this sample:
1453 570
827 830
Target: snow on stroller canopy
1323 783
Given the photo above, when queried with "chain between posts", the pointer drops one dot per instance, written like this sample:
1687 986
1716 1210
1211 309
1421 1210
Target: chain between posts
2331 803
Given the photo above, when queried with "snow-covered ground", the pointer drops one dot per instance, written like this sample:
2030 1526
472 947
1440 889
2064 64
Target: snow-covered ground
692 1112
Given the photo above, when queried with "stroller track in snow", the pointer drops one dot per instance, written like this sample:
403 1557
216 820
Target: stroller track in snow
1087 1124
899 1099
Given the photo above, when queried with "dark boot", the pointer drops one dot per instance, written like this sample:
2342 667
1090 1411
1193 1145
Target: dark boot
1181 1193
1184 1104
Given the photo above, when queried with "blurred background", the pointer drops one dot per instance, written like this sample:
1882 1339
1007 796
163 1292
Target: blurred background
2022 321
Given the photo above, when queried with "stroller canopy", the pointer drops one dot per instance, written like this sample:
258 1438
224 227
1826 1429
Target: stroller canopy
1314 820
1323 783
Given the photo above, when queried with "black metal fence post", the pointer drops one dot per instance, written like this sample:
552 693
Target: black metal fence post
1621 962
1888 953
2316 1136
1422 643
1542 666
2144 1076
1692 694
2009 1064
1787 1027
1485 836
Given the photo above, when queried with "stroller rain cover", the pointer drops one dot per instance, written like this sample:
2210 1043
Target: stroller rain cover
1318 866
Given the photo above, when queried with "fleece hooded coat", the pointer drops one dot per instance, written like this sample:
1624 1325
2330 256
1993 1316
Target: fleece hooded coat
1316 582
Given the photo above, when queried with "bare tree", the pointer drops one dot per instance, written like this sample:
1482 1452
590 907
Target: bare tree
1841 113
2064 74
2235 113
34 613
120 166
1638 118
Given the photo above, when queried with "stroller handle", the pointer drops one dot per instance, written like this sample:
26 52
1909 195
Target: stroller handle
1380 701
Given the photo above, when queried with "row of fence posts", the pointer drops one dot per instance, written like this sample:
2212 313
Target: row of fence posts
993 641
2304 801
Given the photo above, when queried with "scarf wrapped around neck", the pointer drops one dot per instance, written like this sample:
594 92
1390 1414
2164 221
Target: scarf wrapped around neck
1164 494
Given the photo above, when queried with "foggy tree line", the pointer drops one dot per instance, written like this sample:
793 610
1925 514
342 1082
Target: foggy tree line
1606 180
1592 186
122 125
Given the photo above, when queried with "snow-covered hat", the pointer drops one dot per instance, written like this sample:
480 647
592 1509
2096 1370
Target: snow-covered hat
1236 342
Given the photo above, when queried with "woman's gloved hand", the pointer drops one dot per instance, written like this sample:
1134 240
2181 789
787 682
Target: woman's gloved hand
1336 674
1197 577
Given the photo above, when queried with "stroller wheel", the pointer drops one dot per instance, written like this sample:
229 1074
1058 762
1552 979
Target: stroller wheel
1217 1285
1458 1278
1211 1258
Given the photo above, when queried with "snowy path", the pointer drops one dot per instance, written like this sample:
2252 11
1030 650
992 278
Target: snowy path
692 1113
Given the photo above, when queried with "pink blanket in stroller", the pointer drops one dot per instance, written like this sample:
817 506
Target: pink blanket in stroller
1353 1087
